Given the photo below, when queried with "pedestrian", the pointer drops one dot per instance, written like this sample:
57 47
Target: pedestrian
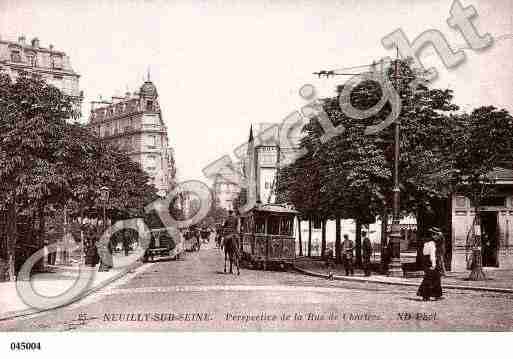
90 250
126 241
67 243
49 240
431 285
440 253
366 254
347 255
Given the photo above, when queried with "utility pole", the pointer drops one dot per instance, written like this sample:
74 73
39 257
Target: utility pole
395 269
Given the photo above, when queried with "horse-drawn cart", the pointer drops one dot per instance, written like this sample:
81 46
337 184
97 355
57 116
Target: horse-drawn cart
267 233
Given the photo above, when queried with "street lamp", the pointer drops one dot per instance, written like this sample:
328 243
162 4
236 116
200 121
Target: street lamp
104 197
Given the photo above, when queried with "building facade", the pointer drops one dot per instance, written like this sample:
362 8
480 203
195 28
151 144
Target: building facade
134 124
52 65
226 187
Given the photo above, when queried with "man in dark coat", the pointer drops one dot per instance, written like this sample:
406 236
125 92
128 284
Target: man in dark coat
366 254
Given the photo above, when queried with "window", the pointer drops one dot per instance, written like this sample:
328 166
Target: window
149 105
15 56
56 62
32 60
286 226
260 225
274 225
152 142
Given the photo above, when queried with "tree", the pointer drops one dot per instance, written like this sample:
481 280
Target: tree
348 176
46 161
31 123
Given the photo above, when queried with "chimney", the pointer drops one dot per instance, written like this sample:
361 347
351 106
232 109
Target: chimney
35 42
21 39
50 47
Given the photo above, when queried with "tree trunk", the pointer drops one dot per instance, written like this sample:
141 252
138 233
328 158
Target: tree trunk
323 238
12 234
384 242
299 237
338 242
309 237
358 243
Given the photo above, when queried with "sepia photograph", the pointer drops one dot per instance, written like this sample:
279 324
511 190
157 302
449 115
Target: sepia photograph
255 166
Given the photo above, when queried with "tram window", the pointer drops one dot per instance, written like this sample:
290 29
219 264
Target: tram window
274 225
286 226
260 225
251 224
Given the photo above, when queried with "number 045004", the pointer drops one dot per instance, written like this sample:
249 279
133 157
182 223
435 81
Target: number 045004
25 346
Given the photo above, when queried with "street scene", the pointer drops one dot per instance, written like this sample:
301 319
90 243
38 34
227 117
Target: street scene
260 169
167 295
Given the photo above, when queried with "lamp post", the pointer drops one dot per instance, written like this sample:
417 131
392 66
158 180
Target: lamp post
104 197
395 269
106 255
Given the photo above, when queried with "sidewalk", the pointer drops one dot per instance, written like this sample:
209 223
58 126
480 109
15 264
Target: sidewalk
497 280
59 280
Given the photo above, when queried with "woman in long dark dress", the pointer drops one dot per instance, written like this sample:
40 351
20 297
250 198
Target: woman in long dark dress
431 285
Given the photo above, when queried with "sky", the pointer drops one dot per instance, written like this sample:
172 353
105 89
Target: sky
220 66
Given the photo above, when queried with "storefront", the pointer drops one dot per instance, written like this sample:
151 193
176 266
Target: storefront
496 226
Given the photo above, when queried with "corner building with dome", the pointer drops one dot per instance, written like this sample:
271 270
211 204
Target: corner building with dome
134 124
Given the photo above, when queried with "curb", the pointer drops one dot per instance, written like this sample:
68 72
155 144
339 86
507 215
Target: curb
405 284
104 283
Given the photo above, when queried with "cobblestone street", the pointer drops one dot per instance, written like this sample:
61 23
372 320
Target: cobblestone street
195 294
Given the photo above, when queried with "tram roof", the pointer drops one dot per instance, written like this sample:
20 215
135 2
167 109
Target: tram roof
271 208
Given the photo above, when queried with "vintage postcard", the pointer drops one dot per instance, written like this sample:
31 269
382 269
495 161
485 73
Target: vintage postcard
242 166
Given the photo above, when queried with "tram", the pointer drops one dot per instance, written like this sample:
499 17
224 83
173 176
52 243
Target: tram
267 233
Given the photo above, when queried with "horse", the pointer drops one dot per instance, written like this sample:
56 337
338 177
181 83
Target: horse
231 251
